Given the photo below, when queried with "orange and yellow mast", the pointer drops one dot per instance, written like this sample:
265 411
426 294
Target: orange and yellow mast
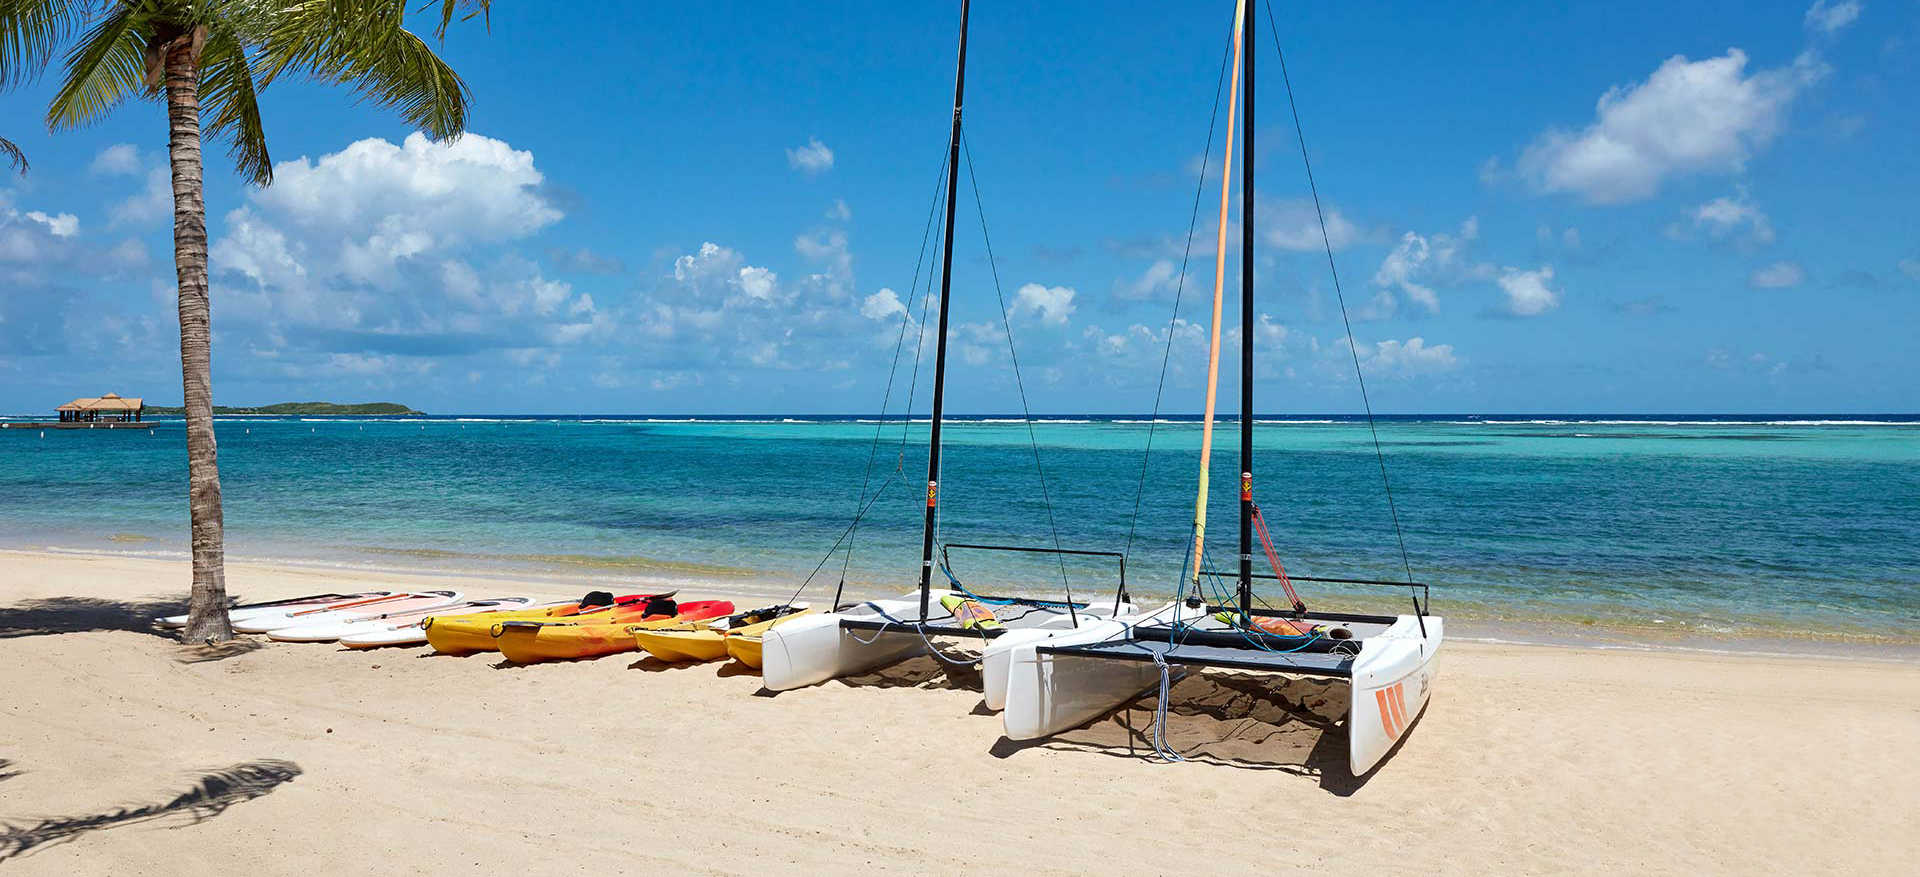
1219 288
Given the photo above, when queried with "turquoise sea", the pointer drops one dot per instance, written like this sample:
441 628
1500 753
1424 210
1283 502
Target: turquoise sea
1765 527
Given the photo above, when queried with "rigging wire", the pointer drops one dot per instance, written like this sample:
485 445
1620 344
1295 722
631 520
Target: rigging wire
906 317
1379 456
1173 322
1033 441
919 354
866 503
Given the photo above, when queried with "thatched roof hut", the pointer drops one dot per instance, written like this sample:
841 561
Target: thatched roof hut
111 406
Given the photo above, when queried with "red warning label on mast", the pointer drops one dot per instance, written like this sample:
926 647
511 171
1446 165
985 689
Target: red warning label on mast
1246 486
933 490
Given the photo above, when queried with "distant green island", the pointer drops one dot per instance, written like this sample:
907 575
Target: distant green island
325 409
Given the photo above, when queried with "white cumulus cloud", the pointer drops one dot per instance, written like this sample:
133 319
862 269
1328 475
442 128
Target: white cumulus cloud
60 225
1402 359
385 249
719 275
828 248
153 201
1529 293
1728 216
1419 261
473 189
1778 275
717 310
1053 304
758 283
1827 19
812 158
120 159
1159 278
1294 225
881 305
1706 116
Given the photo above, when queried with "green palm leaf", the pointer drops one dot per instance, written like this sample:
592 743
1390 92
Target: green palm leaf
105 68
14 156
30 31
450 8
227 92
362 45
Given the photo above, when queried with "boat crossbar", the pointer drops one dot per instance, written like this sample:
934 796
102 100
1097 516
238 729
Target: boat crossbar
935 628
1422 587
947 561
1324 664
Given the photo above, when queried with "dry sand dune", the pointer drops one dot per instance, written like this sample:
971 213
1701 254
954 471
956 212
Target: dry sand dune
123 752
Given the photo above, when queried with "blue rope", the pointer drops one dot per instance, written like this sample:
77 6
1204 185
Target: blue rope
955 582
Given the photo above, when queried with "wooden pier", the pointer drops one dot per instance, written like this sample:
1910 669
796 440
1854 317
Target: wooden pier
58 424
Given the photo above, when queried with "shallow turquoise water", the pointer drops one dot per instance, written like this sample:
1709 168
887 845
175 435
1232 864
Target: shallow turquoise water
1731 527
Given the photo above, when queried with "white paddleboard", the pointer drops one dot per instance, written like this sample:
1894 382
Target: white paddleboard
404 601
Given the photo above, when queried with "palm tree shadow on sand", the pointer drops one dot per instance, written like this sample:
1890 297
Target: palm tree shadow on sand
50 616
53 616
210 796
1227 720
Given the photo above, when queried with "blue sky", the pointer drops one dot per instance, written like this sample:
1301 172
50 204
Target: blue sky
716 208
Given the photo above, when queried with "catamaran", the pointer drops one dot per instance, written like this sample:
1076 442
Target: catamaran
1388 661
814 648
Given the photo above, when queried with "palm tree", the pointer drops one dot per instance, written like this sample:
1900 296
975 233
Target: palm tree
13 154
211 58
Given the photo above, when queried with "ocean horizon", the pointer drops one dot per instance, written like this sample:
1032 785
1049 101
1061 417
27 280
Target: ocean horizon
1769 527
1623 418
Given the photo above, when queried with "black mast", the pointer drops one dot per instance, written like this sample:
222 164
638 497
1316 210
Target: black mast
940 354
1246 319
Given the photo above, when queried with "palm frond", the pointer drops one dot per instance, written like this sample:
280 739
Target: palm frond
227 92
106 67
309 35
30 30
362 45
408 77
14 156
450 8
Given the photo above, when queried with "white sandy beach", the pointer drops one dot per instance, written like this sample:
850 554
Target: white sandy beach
1529 759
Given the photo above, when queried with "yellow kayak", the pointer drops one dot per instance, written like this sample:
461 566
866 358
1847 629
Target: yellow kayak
745 649
465 634
710 641
532 641
743 644
473 632
680 644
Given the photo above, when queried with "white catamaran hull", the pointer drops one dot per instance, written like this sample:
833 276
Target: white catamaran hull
996 662
814 648
1393 678
1046 695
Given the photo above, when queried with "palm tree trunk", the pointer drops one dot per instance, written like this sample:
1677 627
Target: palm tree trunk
207 615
